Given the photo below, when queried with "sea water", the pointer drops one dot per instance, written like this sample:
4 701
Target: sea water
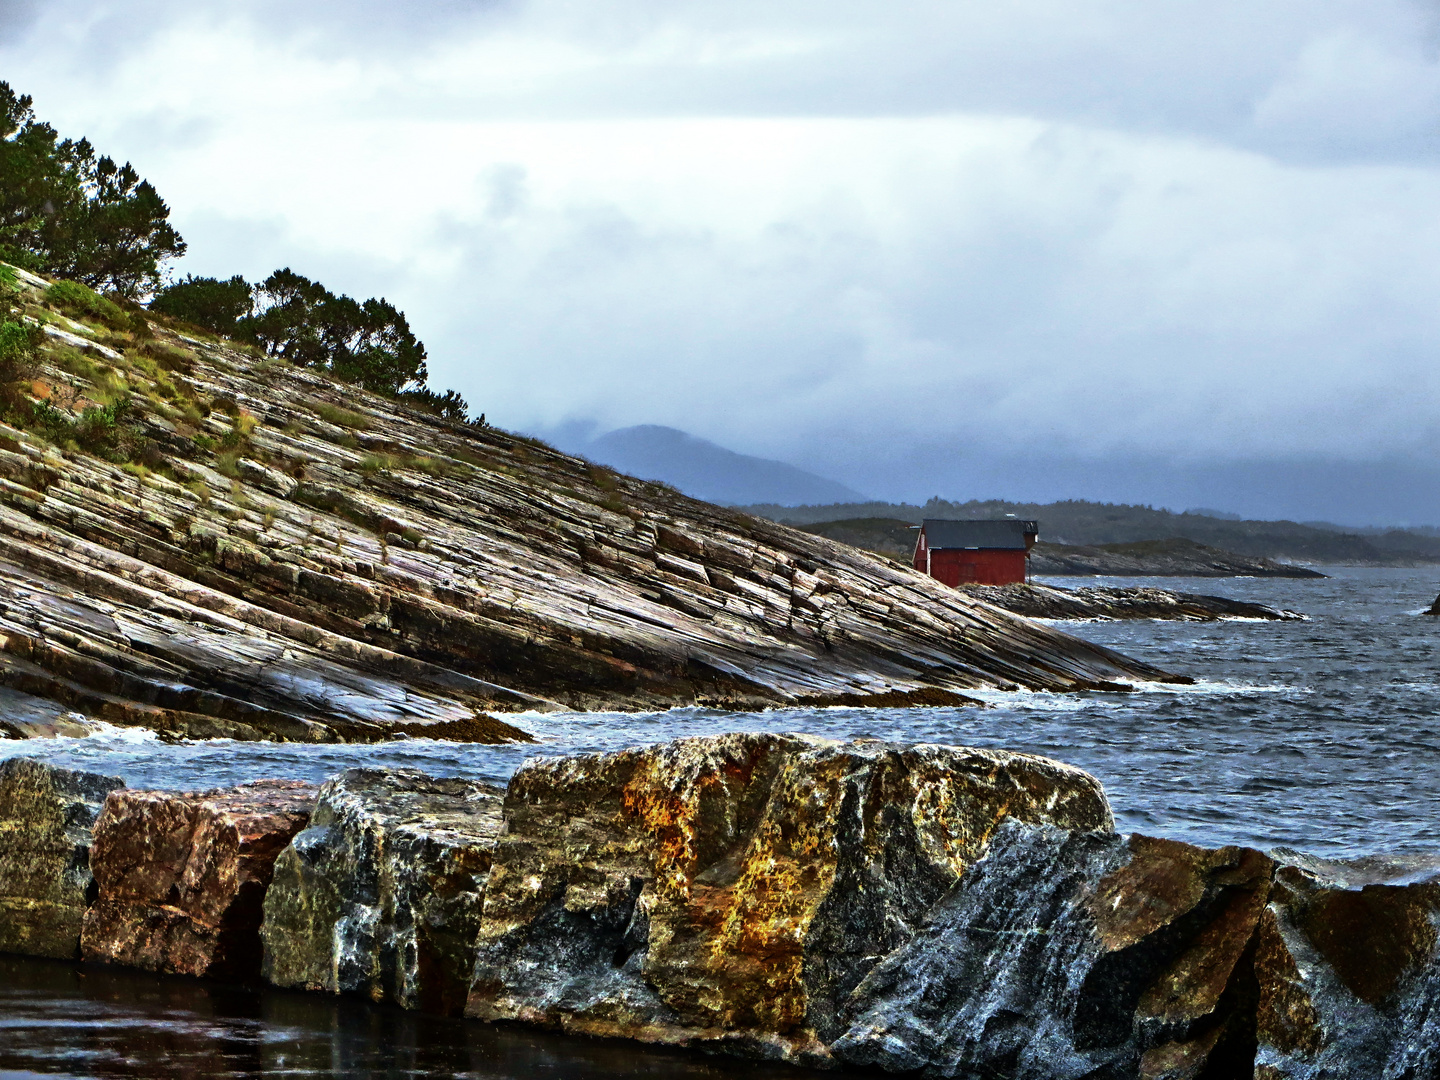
1321 735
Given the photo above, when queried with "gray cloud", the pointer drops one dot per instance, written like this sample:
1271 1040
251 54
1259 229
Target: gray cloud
924 248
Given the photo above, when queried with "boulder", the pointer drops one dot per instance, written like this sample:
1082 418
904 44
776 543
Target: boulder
1066 954
182 876
1349 982
45 881
381 895
733 890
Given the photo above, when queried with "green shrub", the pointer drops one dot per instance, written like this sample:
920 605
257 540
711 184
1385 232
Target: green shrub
18 342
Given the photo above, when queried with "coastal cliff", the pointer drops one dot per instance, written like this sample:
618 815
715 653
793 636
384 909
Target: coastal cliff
209 543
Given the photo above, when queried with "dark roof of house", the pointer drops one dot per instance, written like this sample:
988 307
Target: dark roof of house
1005 534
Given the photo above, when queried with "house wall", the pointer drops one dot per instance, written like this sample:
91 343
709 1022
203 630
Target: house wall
956 566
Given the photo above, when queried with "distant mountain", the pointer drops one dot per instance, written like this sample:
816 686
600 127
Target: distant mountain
706 471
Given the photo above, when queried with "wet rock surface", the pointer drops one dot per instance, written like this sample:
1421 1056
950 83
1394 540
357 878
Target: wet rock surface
1065 954
1349 981
1053 602
733 890
181 876
381 894
46 815
306 561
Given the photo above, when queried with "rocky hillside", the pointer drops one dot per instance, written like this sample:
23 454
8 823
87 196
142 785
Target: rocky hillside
207 542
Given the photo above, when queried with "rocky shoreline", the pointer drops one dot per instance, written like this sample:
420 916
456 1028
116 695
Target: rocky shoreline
1037 601
252 550
909 908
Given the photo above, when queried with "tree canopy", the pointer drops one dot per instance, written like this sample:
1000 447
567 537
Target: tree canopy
298 320
68 211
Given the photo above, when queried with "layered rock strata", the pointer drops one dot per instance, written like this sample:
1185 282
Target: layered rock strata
381 894
46 815
1051 602
182 876
733 890
288 557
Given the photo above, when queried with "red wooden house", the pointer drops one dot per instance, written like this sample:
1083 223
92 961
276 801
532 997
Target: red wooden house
975 552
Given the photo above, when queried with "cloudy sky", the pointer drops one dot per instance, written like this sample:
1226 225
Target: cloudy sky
1181 253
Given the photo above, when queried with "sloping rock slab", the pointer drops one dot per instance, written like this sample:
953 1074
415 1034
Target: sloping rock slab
182 876
1064 955
45 881
1349 979
732 890
381 895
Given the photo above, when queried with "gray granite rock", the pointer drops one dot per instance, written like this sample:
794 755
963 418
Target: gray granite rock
1065 954
381 895
46 815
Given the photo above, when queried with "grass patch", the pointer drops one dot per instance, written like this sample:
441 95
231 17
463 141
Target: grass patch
333 414
72 298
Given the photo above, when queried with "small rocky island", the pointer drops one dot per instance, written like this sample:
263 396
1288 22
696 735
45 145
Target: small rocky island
917 909
204 541
1038 601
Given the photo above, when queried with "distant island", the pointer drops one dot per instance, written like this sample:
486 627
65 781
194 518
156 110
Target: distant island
1079 537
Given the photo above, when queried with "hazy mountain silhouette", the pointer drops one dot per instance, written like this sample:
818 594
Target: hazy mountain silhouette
704 470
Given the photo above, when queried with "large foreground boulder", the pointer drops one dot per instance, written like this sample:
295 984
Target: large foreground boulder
182 876
1066 955
381 895
45 881
1349 982
735 889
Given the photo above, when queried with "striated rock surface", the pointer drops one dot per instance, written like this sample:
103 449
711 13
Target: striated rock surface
1052 602
46 815
182 876
381 895
257 551
1065 954
1349 979
733 890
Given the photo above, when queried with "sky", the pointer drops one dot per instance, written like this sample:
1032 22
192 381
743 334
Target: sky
1181 254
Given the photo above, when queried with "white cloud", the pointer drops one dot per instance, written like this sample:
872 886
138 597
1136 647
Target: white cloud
1201 232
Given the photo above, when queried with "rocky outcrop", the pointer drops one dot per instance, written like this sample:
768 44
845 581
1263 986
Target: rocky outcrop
381 895
1173 556
1348 977
1051 602
1066 955
734 890
256 551
46 816
182 876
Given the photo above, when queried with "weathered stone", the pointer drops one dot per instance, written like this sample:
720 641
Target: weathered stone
1349 980
734 889
182 876
45 881
1067 954
381 895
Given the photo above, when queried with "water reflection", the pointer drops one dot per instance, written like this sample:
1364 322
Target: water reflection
60 1019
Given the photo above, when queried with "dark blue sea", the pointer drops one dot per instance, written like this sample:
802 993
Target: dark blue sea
1321 735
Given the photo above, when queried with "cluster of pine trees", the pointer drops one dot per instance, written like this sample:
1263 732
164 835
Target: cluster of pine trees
70 213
